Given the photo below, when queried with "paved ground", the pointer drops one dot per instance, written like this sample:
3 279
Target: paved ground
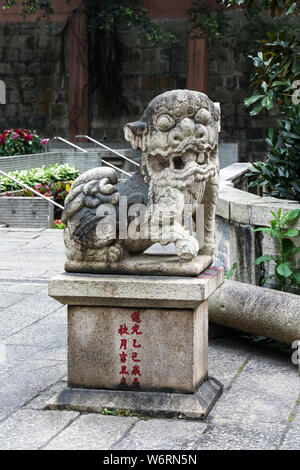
259 409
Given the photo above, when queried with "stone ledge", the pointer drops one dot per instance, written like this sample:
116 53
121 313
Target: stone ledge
135 291
247 208
156 404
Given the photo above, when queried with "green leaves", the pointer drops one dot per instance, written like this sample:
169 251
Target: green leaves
263 259
252 99
125 413
276 7
295 277
105 15
292 232
280 173
284 270
37 176
276 74
291 215
276 69
230 273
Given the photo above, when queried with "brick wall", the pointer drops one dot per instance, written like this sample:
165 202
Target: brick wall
147 72
36 76
229 76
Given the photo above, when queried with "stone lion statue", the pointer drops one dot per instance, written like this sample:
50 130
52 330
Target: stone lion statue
178 138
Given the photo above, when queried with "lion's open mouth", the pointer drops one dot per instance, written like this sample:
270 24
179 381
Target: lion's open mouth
180 162
188 150
190 157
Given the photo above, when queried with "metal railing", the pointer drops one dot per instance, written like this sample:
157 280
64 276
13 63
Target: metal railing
70 143
115 167
108 148
20 183
102 160
23 185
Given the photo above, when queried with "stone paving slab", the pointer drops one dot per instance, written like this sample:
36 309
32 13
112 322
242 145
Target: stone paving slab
20 353
54 258
29 274
40 401
92 432
29 264
9 234
292 438
25 288
7 300
32 429
50 331
234 437
162 434
20 231
19 382
4 414
23 314
258 408
226 357
261 393
9 246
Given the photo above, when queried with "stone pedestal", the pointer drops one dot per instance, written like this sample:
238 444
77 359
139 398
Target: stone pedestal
138 342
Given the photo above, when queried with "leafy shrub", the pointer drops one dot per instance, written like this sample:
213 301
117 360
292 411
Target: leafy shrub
39 176
277 72
21 142
285 273
280 173
275 82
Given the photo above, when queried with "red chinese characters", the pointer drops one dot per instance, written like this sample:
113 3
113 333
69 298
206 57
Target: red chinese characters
124 370
129 366
135 329
134 357
123 330
135 317
123 357
136 370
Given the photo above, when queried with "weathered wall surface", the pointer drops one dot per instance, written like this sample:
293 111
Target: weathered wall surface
34 63
34 67
147 71
229 78
238 213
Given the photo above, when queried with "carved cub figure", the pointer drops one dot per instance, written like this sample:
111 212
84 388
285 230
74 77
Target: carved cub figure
178 137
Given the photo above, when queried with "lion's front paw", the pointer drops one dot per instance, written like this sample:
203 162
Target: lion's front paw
187 249
115 253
